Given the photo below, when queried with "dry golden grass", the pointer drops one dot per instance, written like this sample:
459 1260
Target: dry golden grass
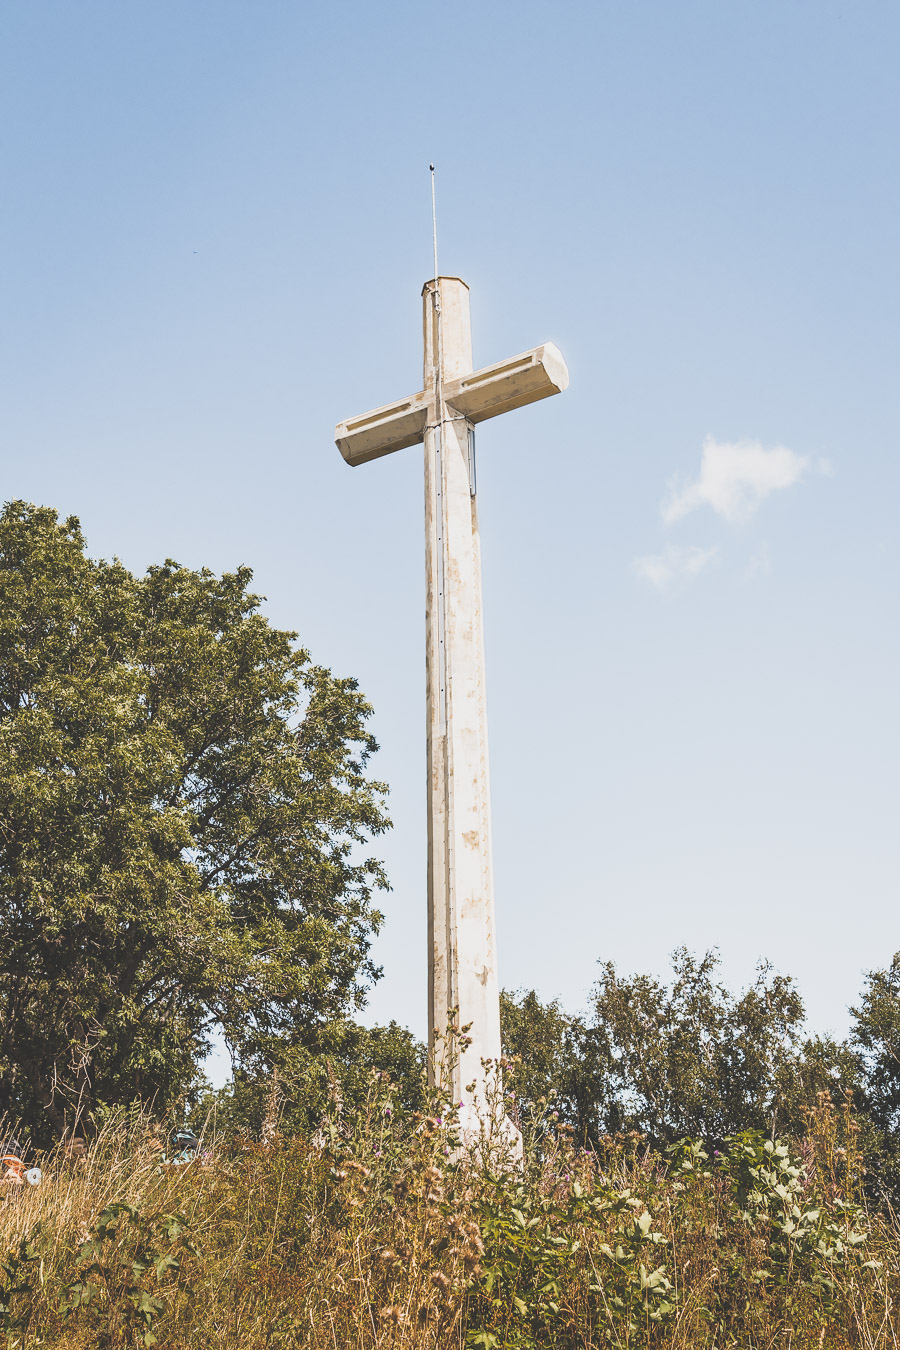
376 1236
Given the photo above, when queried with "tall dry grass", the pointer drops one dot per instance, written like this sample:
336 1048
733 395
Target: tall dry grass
380 1235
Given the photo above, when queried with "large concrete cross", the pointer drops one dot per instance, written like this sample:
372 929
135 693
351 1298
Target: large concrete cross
462 966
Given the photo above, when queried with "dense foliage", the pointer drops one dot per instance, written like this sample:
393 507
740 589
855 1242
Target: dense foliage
183 808
688 1057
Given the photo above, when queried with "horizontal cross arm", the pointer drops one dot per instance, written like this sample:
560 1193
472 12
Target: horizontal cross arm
509 384
380 432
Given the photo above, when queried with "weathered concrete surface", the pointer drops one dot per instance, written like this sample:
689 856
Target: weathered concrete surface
462 968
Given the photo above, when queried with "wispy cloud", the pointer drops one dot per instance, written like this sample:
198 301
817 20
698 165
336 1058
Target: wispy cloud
734 479
675 564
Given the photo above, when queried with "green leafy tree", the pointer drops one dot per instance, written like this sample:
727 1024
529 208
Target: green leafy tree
690 1058
875 1037
184 804
876 1034
550 1067
334 1076
685 1057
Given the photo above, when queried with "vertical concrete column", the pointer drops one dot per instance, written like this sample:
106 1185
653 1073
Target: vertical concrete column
463 967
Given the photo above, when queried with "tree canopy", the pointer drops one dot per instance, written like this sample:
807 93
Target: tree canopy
668 1059
185 807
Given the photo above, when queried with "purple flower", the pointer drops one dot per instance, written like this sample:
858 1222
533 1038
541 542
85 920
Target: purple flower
387 1110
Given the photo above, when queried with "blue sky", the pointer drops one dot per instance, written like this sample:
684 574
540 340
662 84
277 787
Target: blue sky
216 226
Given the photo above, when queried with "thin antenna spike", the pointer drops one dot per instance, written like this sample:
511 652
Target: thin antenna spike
439 368
433 223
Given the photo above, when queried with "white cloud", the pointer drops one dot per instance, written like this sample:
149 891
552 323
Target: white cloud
661 569
734 479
